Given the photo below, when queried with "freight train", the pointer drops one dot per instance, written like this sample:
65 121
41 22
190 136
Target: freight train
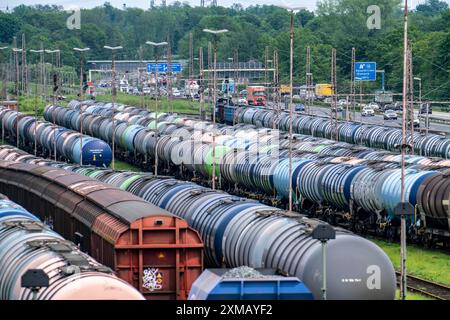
238 231
148 247
70 145
356 193
372 136
27 244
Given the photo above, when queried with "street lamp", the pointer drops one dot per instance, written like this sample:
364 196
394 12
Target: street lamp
215 34
3 126
41 51
291 69
309 87
81 98
156 45
54 101
324 232
113 124
16 82
403 151
52 51
427 124
16 88
3 48
81 68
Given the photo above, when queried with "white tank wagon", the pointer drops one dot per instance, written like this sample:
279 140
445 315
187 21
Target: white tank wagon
28 244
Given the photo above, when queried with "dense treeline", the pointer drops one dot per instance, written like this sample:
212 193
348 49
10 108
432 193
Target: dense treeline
336 23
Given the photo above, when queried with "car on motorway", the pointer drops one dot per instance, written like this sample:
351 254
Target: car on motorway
390 115
367 111
242 101
426 108
374 106
176 93
337 108
416 123
398 106
300 107
387 107
146 90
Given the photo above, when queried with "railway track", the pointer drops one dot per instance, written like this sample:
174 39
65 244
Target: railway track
427 288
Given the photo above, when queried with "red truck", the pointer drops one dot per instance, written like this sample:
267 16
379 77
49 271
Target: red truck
256 95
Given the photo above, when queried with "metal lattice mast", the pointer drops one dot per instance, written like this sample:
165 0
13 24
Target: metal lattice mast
191 56
209 72
308 78
266 58
169 75
403 150
24 67
236 77
201 83
141 78
291 75
276 89
16 67
113 100
236 61
352 83
334 89
411 97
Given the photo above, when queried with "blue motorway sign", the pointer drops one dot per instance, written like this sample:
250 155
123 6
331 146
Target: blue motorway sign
365 71
164 67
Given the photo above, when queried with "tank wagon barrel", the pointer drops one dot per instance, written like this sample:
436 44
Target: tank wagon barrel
238 231
69 144
26 243
148 247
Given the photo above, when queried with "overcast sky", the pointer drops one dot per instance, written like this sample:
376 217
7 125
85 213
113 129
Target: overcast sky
310 4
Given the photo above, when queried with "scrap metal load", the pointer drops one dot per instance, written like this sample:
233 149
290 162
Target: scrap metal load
241 232
27 244
244 283
148 247
70 145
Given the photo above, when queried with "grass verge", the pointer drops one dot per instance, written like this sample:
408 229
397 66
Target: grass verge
120 165
431 265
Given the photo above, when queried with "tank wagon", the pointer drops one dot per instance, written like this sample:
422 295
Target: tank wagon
333 186
372 136
168 122
70 145
238 231
27 243
148 247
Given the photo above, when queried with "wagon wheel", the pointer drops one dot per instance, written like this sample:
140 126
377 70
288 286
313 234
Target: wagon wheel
391 233
430 243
